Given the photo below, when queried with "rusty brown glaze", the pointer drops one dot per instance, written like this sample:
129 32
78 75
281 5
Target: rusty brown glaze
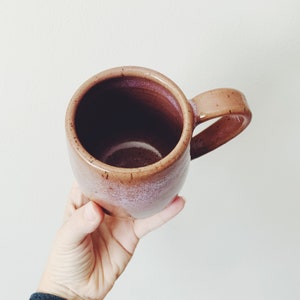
130 136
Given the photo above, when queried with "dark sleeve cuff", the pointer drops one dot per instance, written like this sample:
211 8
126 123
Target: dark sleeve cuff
42 296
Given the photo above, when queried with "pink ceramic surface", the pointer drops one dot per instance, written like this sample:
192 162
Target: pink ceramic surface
127 116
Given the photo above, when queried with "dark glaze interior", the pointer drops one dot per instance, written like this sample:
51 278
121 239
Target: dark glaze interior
128 111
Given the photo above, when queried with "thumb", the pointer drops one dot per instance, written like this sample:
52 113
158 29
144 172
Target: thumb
83 221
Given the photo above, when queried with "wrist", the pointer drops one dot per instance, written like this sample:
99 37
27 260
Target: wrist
47 287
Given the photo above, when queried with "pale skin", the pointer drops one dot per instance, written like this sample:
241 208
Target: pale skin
92 249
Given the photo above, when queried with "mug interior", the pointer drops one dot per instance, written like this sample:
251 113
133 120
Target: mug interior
128 121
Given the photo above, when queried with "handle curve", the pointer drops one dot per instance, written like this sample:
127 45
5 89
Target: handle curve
232 108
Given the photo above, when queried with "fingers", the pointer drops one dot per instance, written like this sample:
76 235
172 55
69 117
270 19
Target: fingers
76 200
82 222
144 226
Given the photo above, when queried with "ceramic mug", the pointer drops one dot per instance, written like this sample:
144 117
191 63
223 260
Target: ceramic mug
130 137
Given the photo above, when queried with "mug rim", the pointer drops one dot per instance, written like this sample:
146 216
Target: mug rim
145 73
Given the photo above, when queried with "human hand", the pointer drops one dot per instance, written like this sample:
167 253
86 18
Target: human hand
92 249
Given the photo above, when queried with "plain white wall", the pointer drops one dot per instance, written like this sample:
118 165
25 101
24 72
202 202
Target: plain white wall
239 234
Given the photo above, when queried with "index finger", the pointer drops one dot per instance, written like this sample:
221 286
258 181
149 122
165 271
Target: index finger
144 226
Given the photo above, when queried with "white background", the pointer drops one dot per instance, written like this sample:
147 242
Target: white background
239 234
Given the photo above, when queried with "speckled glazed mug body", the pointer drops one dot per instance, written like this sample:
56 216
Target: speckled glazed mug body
130 137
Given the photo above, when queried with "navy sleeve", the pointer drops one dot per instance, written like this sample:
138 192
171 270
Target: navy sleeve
42 296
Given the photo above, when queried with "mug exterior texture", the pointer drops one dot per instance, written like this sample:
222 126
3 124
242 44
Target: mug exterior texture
132 192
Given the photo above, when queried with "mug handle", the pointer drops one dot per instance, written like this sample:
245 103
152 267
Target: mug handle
230 106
